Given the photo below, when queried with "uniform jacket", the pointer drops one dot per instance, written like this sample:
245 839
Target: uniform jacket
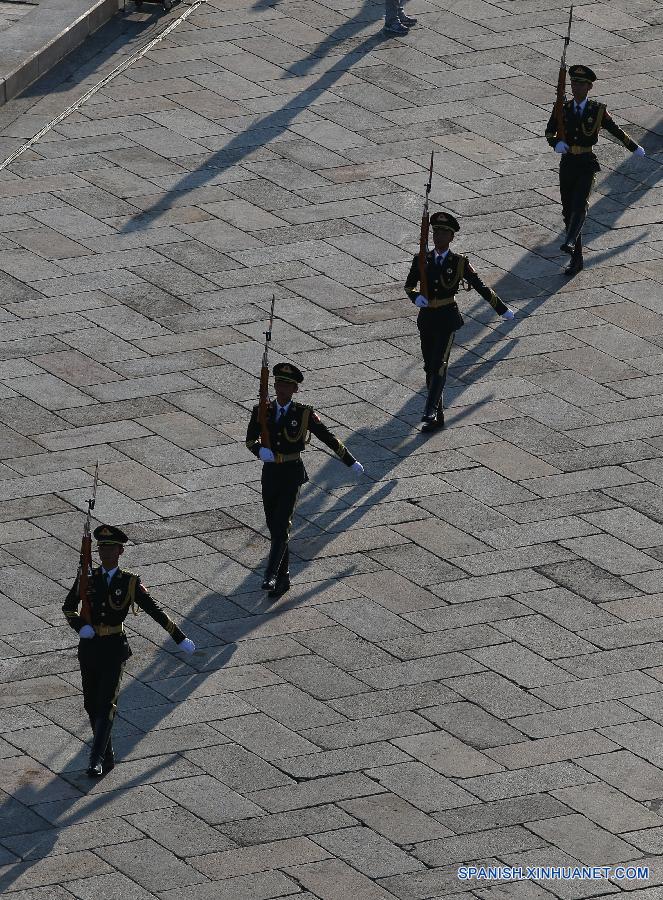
444 282
293 432
583 131
111 603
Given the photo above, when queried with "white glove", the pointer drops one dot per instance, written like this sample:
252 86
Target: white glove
187 645
509 314
87 631
561 147
420 301
266 454
357 467
639 151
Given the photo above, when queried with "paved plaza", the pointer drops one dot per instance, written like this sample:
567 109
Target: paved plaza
468 668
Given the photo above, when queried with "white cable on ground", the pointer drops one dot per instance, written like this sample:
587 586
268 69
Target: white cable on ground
137 54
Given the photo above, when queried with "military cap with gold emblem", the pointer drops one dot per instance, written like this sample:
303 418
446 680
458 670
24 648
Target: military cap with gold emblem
444 220
109 534
582 73
287 372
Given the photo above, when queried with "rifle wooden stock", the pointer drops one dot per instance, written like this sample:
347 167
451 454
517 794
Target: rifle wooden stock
86 556
561 85
559 104
263 405
263 396
84 579
423 250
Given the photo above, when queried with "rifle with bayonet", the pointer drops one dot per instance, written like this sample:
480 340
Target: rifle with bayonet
423 238
561 85
263 397
85 570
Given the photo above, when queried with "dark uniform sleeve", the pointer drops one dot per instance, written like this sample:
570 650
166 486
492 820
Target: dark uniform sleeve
613 128
324 434
253 433
487 293
412 280
70 608
551 129
152 608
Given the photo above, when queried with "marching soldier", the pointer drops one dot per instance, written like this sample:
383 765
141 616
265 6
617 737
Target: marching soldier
439 317
290 426
103 649
583 119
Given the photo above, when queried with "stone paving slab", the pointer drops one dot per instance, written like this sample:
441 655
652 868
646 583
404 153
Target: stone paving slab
468 666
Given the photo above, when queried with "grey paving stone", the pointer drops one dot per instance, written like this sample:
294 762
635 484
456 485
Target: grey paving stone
477 845
626 772
421 786
39 844
529 780
115 886
370 853
352 759
590 715
52 870
287 825
318 677
238 768
209 799
588 580
265 737
151 865
316 792
446 754
260 886
497 814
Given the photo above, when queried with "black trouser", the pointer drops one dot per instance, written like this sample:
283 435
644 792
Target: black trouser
436 337
102 661
281 483
576 180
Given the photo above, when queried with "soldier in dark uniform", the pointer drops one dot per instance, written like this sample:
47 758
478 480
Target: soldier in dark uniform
583 119
103 649
439 317
290 427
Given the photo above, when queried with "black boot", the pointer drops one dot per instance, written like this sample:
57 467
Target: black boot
102 731
434 400
576 222
281 586
437 423
276 555
577 262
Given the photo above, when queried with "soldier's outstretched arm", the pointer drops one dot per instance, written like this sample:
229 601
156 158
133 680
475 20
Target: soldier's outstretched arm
320 430
613 128
486 292
151 607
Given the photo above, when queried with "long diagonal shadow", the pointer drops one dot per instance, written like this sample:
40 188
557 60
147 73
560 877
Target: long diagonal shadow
278 121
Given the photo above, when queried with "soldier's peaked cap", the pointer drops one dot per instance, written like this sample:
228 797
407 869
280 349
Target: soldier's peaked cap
109 534
444 220
287 372
582 73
